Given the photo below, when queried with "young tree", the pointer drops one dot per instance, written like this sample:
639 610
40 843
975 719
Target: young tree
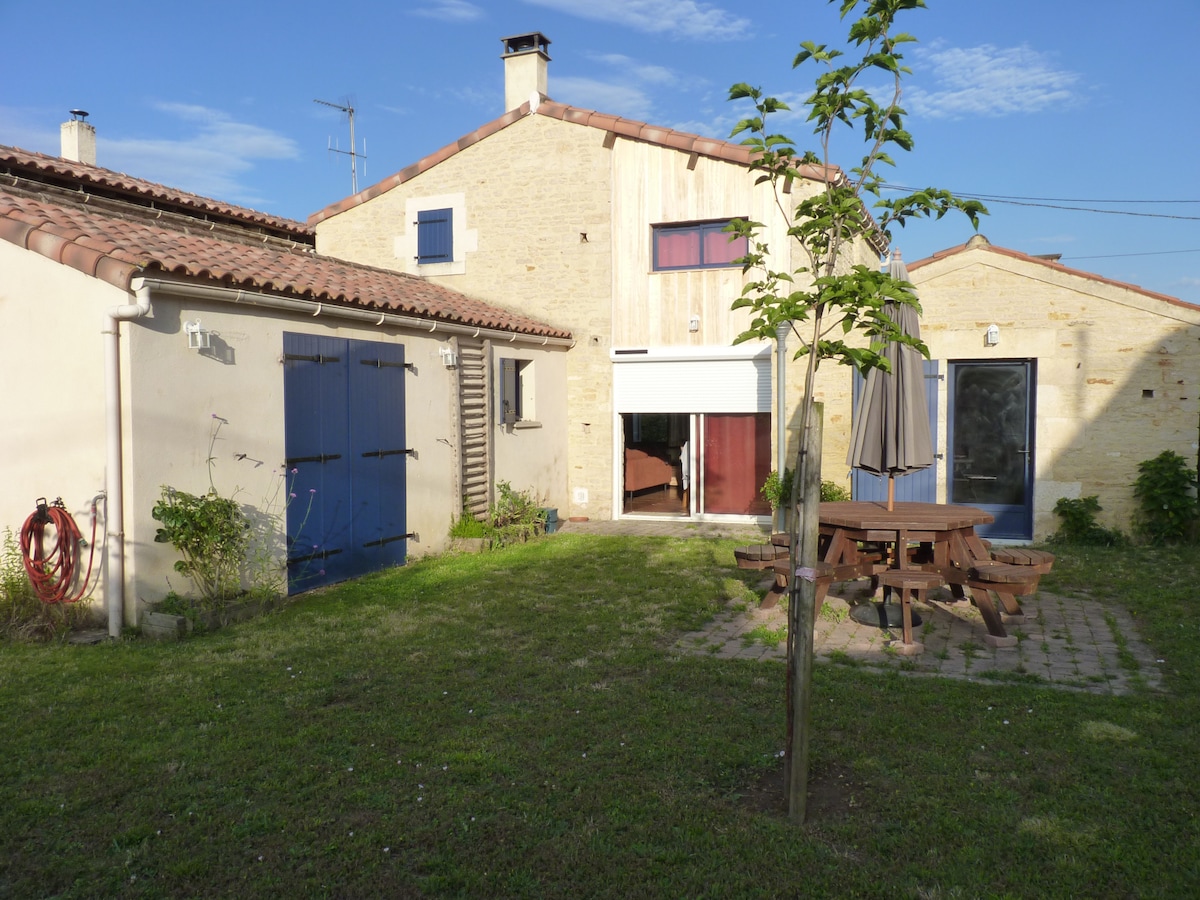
827 298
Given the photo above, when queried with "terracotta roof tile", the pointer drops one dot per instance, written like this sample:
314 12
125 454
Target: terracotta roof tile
1050 264
116 248
18 161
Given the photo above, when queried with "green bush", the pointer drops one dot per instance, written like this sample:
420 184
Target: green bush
832 492
1079 524
776 490
515 516
212 535
467 526
1166 495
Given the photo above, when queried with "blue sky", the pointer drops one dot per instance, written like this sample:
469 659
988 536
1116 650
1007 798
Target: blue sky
1044 103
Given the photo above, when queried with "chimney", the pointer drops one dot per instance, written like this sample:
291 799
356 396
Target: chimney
525 58
79 139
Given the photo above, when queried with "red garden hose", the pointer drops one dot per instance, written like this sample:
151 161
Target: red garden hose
53 571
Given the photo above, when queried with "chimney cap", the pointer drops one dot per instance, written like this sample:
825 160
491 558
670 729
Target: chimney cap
526 43
79 115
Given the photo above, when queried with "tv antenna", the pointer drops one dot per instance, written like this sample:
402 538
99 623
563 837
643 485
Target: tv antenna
349 111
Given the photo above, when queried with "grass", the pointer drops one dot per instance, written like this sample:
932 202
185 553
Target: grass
521 724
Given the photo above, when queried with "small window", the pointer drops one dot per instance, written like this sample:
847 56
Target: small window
516 391
435 236
702 245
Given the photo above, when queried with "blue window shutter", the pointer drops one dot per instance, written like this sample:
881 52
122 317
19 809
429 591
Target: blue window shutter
510 392
435 236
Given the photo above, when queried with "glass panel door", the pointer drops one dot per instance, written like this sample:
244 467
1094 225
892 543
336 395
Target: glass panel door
991 435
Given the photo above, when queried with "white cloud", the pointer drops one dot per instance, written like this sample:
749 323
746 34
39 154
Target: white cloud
987 81
627 101
678 18
646 72
209 161
450 11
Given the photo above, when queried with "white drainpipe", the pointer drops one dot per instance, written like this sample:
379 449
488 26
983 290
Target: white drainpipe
114 584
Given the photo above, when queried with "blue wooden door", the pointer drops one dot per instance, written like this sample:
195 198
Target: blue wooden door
345 456
917 487
378 454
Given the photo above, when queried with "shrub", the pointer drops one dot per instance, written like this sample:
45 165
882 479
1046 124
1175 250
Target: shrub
1166 495
467 526
1079 524
776 490
515 516
832 492
212 535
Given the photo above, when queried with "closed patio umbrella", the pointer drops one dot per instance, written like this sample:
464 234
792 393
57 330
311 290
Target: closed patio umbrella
890 435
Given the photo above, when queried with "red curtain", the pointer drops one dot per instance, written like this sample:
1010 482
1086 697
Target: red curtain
719 250
736 460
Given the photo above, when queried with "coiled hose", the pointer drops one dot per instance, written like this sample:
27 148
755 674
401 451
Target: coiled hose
52 569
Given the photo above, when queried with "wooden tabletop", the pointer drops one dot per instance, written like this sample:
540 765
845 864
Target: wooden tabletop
869 515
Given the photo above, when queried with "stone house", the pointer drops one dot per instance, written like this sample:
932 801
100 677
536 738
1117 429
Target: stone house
155 338
1044 381
611 229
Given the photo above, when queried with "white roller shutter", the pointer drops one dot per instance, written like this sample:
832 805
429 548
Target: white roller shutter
718 380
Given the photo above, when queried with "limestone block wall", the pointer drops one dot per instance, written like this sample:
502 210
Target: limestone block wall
1118 371
536 199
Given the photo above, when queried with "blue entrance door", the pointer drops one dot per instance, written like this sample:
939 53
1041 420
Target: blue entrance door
344 443
917 487
992 442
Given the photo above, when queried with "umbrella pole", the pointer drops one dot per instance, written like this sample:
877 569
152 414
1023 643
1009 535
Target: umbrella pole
891 492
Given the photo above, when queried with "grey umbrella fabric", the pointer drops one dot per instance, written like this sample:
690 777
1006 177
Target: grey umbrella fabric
890 435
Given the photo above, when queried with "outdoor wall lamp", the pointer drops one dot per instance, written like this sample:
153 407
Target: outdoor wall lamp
198 337
694 324
992 338
449 357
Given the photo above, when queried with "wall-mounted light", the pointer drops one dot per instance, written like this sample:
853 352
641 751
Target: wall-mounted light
198 337
992 338
449 357
694 324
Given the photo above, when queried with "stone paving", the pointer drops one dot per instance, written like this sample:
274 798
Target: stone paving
1072 643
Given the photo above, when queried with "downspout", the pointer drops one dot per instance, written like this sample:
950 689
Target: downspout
781 333
114 571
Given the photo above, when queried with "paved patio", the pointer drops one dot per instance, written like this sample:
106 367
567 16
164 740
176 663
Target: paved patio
1071 643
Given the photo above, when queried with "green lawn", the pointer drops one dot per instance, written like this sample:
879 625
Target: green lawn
518 724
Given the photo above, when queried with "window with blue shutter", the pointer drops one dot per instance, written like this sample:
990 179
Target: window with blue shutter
510 392
435 236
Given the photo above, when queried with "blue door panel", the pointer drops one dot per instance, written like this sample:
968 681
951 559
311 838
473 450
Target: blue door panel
344 439
380 455
916 487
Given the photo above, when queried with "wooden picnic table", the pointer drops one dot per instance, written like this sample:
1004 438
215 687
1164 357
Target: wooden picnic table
913 546
860 539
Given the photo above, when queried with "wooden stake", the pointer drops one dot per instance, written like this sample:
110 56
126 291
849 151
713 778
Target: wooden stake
803 593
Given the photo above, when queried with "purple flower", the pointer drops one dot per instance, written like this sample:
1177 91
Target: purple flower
295 471
312 490
322 572
292 495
